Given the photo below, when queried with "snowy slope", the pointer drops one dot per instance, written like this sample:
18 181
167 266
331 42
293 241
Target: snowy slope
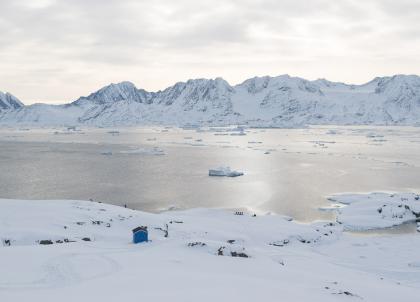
91 257
297 101
42 115
281 101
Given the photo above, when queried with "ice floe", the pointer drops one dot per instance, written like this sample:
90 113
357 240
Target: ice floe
224 171
145 151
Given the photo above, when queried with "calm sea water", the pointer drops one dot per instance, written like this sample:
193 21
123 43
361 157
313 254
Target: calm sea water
287 171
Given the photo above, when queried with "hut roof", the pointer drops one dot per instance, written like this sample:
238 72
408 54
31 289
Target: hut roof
140 228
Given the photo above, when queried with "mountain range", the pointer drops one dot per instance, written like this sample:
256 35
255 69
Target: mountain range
281 101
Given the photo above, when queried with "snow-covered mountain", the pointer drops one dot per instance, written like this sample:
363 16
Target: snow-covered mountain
8 101
260 101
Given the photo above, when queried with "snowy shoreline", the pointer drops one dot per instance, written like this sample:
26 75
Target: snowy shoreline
87 250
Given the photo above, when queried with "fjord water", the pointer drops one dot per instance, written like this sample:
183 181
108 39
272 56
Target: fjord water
287 171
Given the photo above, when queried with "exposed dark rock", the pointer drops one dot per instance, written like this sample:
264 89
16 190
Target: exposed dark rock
240 254
220 251
191 244
7 242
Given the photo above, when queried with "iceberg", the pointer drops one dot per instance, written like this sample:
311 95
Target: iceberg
224 171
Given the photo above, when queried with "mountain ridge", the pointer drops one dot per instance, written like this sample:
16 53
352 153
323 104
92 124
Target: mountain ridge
280 101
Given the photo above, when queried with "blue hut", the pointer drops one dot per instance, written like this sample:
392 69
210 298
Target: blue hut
140 234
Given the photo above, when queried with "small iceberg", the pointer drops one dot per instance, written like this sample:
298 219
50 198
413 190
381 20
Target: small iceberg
114 132
145 151
239 131
224 171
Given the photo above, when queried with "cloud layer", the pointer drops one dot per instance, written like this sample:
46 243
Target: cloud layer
56 50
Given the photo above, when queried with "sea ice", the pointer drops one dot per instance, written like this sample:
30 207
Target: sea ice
145 151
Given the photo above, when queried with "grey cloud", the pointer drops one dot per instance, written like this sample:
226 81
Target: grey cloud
101 40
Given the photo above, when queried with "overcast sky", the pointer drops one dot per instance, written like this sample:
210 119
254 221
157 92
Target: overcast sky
56 50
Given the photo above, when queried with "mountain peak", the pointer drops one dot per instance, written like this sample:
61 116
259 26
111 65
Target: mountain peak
398 84
115 92
122 85
8 101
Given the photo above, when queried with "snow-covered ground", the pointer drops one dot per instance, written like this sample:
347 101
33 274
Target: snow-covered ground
209 254
377 210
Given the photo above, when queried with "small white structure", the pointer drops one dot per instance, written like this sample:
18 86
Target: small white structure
224 171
